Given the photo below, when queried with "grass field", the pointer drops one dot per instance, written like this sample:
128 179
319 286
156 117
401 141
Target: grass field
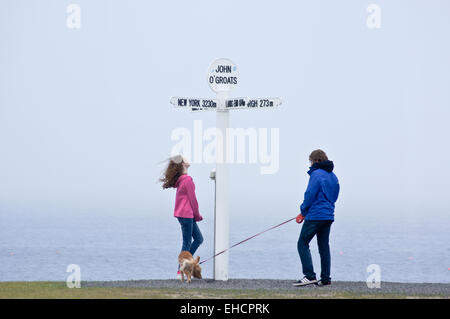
51 290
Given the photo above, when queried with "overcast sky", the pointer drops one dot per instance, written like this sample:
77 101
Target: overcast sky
85 114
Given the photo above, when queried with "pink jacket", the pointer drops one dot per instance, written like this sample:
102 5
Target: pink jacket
186 205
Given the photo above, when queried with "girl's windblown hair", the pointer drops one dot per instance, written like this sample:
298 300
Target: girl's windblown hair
173 171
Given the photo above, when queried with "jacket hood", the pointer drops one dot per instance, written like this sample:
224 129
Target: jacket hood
325 165
182 177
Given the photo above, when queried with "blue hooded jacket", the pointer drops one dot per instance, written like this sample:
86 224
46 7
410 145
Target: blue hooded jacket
322 192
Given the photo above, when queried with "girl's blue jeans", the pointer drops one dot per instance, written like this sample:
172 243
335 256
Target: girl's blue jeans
192 237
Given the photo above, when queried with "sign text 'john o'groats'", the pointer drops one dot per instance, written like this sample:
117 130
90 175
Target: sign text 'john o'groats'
222 75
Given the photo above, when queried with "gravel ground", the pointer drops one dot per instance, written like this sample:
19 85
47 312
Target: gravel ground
410 289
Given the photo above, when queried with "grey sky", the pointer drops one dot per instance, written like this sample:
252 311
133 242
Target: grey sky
85 113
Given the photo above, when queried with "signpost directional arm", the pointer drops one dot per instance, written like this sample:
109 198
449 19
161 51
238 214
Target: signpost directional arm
194 103
252 103
205 104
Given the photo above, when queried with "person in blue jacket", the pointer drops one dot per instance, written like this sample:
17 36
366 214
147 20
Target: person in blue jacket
317 210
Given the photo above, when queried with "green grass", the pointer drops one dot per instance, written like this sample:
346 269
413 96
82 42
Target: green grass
52 290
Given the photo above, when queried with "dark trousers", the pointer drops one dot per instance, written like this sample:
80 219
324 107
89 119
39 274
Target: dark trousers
321 229
190 230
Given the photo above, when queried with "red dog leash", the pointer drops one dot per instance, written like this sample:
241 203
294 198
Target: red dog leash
243 241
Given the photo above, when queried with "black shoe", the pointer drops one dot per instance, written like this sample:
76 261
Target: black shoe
323 283
304 281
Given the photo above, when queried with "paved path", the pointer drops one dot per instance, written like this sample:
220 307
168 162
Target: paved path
410 289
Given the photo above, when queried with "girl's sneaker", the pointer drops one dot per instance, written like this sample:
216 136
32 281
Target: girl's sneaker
179 275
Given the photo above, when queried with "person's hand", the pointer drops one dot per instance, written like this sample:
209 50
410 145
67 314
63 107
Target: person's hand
300 218
198 218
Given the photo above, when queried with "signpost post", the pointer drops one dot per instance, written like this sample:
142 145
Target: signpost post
222 77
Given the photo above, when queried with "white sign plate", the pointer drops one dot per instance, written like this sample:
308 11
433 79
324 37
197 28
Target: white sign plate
201 104
252 103
194 103
222 75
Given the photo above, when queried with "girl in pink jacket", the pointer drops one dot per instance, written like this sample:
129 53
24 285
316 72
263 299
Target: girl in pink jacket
186 205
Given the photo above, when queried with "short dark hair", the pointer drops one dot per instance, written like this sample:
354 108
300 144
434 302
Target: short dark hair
317 156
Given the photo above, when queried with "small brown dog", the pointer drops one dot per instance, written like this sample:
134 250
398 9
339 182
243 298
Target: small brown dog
189 266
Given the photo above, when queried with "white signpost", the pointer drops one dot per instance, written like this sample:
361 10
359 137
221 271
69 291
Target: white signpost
222 77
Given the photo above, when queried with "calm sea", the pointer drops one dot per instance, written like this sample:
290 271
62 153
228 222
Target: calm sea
39 246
